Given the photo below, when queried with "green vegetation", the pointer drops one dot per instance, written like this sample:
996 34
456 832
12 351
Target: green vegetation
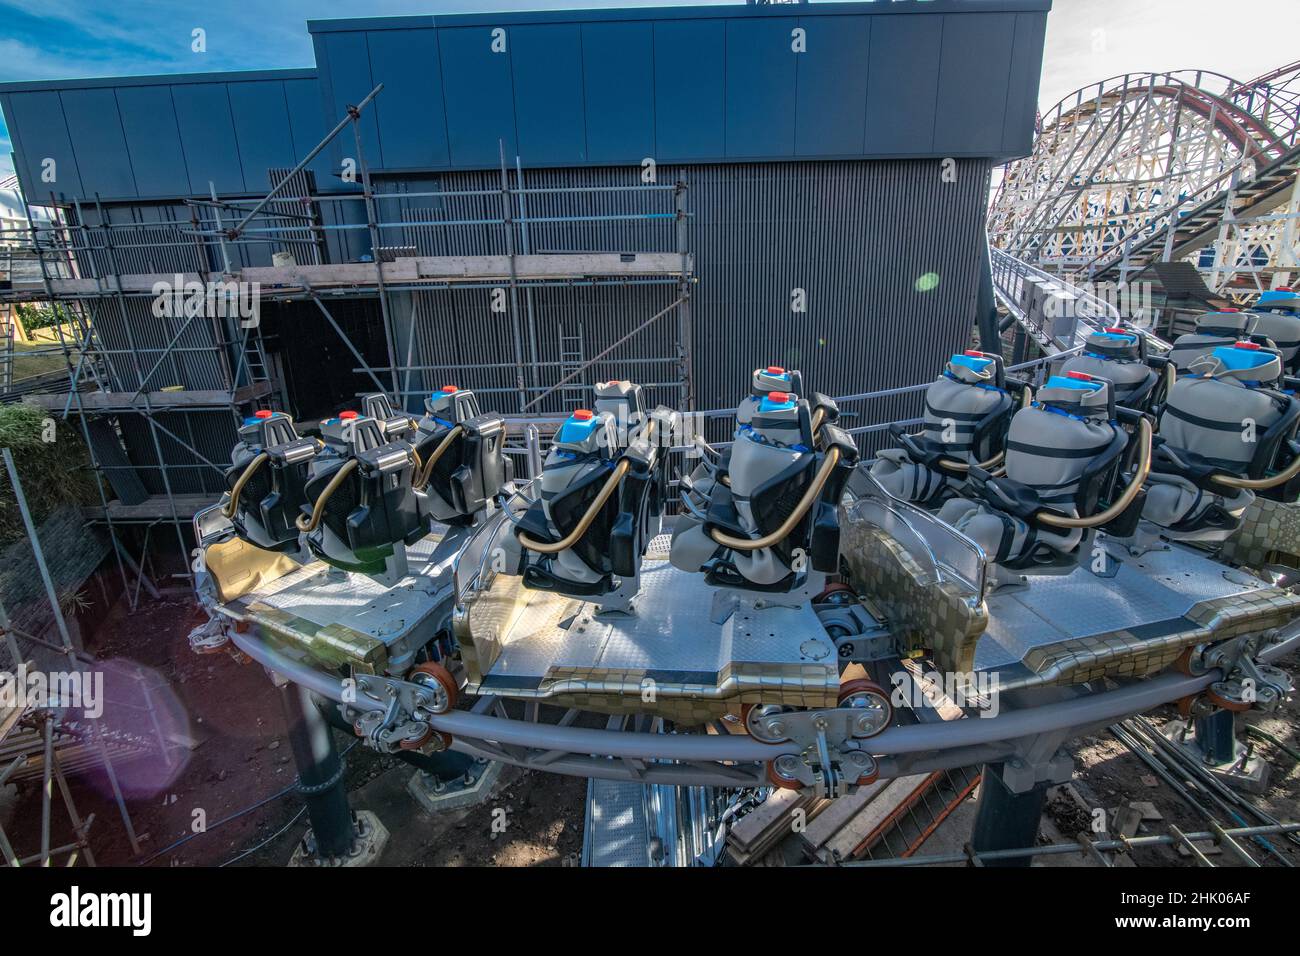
38 358
53 465
36 317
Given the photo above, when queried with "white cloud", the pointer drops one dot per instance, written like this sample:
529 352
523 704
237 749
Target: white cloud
1091 40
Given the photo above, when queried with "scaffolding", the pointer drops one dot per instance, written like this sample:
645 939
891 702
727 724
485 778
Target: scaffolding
158 398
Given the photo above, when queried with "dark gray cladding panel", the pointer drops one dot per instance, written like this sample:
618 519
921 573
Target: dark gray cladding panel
886 255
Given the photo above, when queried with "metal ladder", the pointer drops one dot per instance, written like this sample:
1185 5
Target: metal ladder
572 356
916 820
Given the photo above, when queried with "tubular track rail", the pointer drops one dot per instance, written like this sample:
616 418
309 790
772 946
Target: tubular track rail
554 739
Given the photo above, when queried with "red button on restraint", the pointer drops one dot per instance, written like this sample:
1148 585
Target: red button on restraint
775 370
1081 376
583 414
779 397
448 389
1253 346
348 415
263 413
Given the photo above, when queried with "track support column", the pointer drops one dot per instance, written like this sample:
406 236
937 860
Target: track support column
1004 819
336 837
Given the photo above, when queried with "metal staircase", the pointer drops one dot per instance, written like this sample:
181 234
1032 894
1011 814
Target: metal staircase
1200 227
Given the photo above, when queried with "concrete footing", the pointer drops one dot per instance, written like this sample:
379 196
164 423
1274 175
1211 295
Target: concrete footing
371 838
435 796
1227 758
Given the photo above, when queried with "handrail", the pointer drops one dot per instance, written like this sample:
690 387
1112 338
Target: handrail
809 496
229 509
318 509
1281 478
1123 501
426 471
572 538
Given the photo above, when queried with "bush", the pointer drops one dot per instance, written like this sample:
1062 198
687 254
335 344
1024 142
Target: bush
34 317
53 473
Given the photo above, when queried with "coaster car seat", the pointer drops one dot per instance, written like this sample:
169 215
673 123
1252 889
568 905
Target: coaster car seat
1066 460
777 512
361 505
394 425
1224 430
461 464
1119 355
1278 319
267 481
713 464
601 497
1213 329
968 409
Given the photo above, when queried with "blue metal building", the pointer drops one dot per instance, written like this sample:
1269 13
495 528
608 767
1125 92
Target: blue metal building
836 156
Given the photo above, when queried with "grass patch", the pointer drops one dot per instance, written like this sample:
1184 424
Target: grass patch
53 465
38 358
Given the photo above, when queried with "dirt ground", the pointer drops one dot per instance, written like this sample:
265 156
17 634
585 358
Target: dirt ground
231 754
1108 775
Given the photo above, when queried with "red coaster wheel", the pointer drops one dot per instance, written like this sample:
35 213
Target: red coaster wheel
778 780
1227 703
435 671
424 739
862 685
1183 664
837 587
869 778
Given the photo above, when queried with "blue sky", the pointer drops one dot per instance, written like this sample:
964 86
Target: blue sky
61 39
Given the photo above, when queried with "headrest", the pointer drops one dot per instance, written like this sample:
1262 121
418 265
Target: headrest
1244 362
1076 391
974 369
450 405
265 428
623 400
776 402
351 432
1283 298
772 378
1114 343
1228 321
442 401
586 431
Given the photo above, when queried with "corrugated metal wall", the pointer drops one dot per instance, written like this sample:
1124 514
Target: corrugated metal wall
861 273
886 254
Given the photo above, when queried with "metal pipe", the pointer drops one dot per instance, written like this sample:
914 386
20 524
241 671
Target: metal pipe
239 226
572 538
922 738
795 516
318 510
1123 501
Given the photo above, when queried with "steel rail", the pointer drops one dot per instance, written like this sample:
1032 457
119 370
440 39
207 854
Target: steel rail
506 732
